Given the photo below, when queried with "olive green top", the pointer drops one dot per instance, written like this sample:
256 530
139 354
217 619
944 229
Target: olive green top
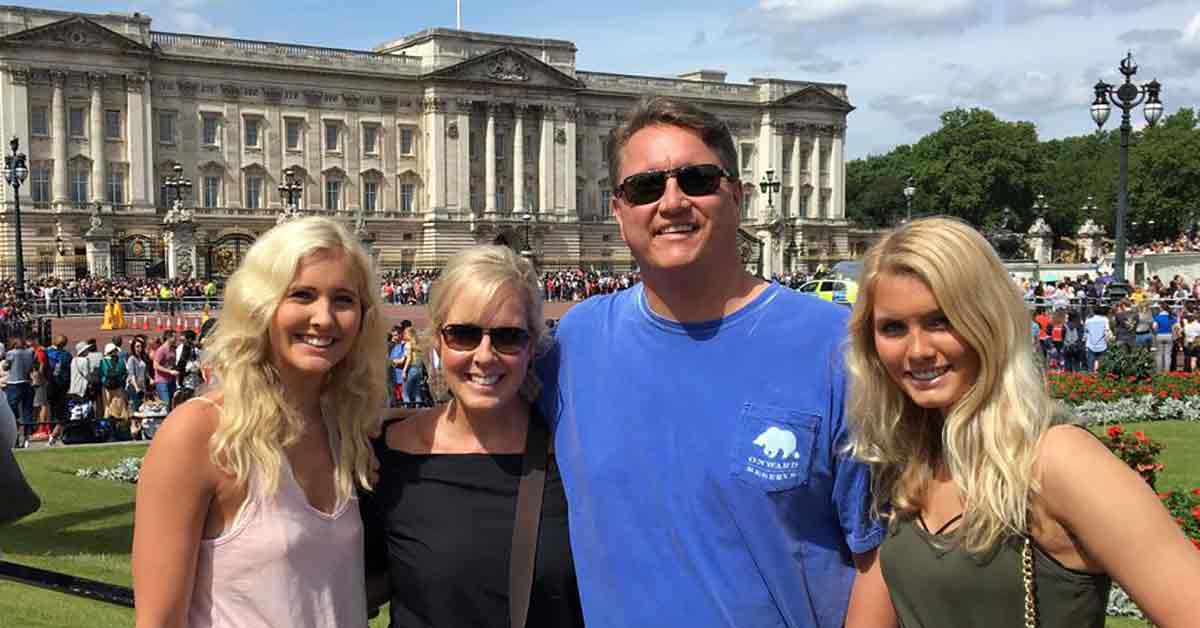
942 586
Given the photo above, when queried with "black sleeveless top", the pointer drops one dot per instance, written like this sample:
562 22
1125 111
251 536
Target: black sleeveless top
444 523
934 583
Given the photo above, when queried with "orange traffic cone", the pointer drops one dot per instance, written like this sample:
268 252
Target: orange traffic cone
158 321
196 325
145 322
179 324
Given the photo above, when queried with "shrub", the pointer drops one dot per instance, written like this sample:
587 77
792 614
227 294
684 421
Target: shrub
1184 507
1125 362
1137 450
128 470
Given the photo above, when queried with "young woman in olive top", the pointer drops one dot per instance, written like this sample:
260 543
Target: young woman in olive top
974 466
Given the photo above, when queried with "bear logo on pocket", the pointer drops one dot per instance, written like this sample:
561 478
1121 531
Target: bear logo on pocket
778 443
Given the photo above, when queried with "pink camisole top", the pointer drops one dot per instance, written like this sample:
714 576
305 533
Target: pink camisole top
283 563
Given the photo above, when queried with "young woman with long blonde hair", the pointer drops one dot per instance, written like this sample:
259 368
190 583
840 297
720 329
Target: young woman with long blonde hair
998 510
246 509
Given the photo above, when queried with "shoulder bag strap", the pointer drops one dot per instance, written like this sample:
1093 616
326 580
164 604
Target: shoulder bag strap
1027 579
529 516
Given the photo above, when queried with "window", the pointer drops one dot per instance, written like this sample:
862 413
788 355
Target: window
79 183
605 201
116 187
747 156
474 145
528 148
499 151
406 141
254 186
370 196
500 204
333 195
166 127
209 125
370 137
164 194
578 148
211 193
408 193
785 203
603 150
824 162
747 194
331 136
75 127
293 134
803 205
39 122
39 188
787 158
112 124
251 125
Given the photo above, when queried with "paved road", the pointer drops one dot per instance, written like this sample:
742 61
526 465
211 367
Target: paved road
82 328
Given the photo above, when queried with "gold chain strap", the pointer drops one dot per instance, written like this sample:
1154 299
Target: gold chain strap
1027 577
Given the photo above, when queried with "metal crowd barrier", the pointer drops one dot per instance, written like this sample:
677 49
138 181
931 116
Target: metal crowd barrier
62 308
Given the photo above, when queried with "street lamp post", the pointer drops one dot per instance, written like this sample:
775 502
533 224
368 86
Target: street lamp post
15 172
770 186
1127 97
178 185
527 249
289 193
910 189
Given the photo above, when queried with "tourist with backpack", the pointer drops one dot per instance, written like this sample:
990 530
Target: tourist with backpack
1074 344
58 384
113 375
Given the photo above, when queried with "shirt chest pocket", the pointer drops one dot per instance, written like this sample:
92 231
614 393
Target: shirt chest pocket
773 447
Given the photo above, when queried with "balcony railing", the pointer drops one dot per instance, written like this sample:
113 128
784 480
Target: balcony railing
283 53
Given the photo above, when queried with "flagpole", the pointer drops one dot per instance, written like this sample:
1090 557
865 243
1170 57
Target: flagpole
458 12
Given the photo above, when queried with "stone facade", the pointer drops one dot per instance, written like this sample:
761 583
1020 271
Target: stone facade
431 142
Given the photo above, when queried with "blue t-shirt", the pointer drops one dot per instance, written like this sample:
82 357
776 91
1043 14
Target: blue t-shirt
397 353
702 466
1164 321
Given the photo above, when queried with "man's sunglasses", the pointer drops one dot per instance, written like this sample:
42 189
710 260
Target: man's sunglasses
506 340
695 180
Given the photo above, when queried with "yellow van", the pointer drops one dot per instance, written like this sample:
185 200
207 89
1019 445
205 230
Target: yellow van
843 291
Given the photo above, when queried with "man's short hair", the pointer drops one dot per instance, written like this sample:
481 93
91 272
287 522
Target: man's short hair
669 111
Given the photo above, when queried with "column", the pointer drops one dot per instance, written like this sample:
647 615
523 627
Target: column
519 157
352 151
546 162
135 134
766 161
837 176
96 137
489 160
58 129
16 105
464 157
814 175
796 182
435 125
150 183
569 165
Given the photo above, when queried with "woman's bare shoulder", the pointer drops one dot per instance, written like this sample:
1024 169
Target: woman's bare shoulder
414 434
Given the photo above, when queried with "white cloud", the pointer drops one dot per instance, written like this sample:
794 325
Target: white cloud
822 11
189 16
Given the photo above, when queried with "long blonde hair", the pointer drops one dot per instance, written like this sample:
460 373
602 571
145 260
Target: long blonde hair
256 420
484 272
988 439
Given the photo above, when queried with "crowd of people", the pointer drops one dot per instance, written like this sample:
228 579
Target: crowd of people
704 448
79 393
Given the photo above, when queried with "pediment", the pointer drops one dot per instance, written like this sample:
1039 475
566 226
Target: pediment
76 32
211 165
814 97
507 66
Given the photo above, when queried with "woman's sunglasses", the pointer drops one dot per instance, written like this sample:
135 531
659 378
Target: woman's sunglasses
506 340
695 180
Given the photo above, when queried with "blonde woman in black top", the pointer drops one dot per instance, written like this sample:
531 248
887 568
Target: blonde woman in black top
443 510
974 466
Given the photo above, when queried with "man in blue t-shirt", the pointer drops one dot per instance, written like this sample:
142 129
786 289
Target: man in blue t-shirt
698 416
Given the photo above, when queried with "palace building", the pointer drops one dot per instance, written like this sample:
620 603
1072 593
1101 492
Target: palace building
425 144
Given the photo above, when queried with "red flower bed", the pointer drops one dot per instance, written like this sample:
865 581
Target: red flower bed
1080 387
1185 508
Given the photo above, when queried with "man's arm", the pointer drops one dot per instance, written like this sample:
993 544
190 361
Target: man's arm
870 605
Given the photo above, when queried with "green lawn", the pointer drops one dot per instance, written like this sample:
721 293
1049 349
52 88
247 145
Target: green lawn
85 528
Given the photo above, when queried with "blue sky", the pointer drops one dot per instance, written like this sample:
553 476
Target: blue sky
904 61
